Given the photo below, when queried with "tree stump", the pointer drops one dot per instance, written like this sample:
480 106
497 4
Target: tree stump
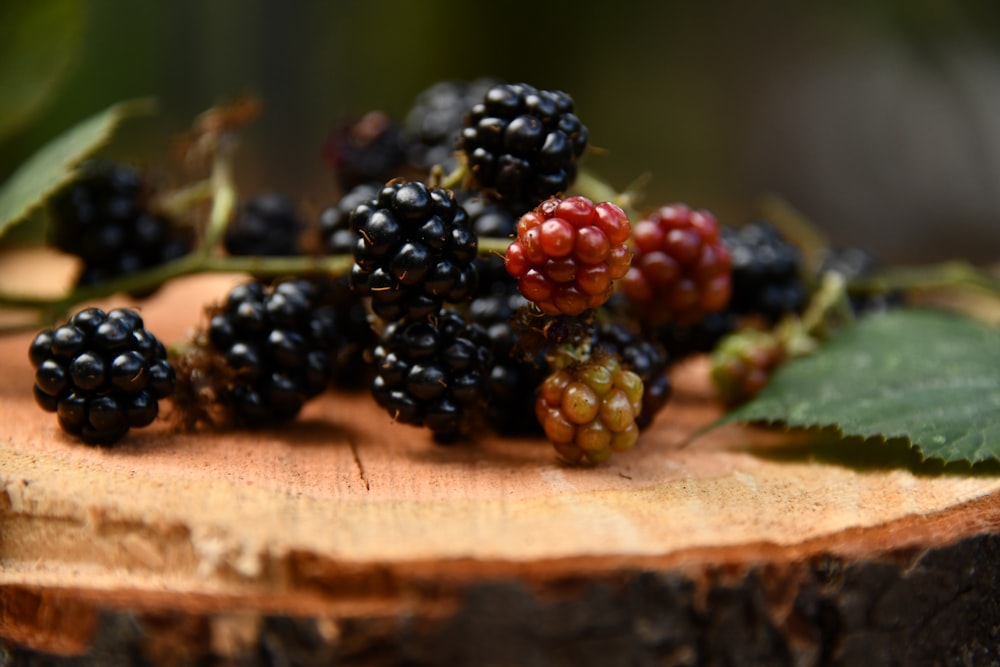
346 539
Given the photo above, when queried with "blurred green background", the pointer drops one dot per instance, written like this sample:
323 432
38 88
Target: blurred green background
879 120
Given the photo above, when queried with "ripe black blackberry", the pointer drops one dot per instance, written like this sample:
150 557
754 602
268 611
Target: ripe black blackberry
336 235
101 373
414 250
364 150
436 119
767 271
523 143
267 225
490 219
433 372
105 219
265 354
645 358
515 373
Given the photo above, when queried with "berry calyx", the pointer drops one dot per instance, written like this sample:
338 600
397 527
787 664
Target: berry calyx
588 410
568 253
681 269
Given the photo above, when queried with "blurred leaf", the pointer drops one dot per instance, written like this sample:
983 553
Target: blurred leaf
928 377
38 42
55 164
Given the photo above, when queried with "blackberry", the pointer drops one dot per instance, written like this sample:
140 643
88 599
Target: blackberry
568 253
435 121
414 251
265 353
767 271
489 219
684 340
645 358
267 225
369 149
101 373
852 263
681 269
515 373
523 143
742 364
588 410
105 219
433 372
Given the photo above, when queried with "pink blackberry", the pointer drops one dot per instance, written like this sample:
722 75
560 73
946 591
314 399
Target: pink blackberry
681 269
568 253
588 410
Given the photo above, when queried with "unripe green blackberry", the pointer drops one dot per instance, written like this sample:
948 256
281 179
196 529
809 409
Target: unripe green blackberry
646 358
414 251
523 143
743 362
588 410
101 373
433 372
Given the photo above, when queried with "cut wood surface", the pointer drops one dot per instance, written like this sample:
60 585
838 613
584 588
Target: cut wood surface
342 511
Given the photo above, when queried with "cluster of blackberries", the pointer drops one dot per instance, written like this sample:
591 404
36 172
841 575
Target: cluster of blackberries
101 373
106 219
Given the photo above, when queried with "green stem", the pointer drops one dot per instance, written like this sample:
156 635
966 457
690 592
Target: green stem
597 190
177 203
948 274
224 200
496 247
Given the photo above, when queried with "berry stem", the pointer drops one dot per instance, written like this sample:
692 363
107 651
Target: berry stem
948 274
177 203
223 200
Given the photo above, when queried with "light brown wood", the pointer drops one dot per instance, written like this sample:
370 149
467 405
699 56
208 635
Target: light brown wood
318 516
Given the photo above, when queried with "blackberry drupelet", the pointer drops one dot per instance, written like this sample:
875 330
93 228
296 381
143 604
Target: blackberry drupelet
267 225
435 121
105 219
414 251
101 373
767 270
365 150
588 410
433 372
645 358
523 143
272 344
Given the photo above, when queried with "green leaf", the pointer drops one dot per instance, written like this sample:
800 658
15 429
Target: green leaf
928 377
38 43
55 164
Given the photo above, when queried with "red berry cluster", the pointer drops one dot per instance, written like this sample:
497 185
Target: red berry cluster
681 270
568 253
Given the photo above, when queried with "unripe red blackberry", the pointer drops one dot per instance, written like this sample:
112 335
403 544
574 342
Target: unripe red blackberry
433 372
681 269
101 373
414 251
568 253
523 143
105 218
743 362
588 410
267 225
435 121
